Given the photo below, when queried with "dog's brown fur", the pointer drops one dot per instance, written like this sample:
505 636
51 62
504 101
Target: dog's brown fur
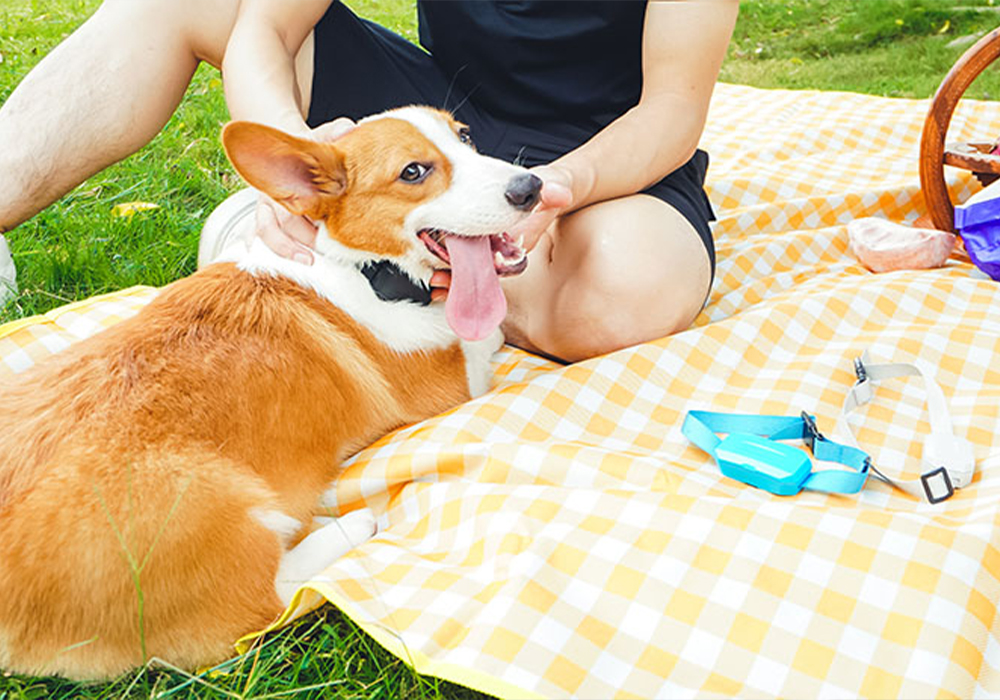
150 444
197 410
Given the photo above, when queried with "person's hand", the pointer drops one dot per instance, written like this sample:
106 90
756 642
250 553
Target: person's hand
287 234
333 130
556 196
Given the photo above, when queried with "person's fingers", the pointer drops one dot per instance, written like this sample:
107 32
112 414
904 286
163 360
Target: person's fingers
298 228
557 188
532 227
275 236
441 278
331 131
440 282
555 195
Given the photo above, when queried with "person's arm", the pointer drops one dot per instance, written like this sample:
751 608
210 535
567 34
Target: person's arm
684 44
259 77
259 66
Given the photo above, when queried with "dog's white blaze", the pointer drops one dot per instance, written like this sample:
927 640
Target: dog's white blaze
474 204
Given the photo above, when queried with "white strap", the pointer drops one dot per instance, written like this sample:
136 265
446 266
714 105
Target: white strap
947 460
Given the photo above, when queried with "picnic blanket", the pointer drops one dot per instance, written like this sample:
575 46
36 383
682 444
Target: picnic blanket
560 537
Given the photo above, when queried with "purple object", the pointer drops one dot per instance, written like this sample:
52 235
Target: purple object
979 225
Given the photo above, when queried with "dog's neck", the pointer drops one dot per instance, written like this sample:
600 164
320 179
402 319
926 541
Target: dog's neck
390 283
391 280
402 326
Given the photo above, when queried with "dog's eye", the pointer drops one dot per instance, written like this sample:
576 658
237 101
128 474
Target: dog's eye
465 136
414 172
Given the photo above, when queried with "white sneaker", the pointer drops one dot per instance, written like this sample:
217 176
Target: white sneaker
8 275
229 229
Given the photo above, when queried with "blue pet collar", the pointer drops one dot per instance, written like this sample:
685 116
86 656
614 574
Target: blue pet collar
750 452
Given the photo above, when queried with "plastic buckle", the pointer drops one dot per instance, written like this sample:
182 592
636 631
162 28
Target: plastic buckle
859 370
925 481
869 466
810 432
862 389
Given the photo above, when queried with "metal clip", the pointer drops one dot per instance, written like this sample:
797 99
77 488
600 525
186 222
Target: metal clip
868 466
862 391
810 432
860 371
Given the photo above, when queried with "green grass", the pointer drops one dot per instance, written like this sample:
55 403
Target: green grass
77 248
896 48
323 655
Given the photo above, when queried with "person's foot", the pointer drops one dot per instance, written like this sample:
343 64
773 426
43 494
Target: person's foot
229 229
8 275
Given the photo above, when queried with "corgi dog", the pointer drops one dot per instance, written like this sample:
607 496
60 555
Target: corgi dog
159 481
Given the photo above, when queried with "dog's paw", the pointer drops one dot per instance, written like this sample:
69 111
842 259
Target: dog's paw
358 526
318 550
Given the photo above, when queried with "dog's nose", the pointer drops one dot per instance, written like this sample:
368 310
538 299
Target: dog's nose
522 192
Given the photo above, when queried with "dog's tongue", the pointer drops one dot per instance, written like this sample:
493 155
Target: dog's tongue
476 304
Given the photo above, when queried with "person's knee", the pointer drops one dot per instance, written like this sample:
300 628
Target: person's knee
203 26
621 302
157 10
625 281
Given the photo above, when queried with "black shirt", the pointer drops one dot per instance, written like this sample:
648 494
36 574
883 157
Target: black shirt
540 61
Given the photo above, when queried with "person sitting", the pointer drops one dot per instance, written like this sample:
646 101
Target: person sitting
605 101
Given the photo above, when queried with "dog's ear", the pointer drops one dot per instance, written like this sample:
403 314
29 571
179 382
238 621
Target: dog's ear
297 172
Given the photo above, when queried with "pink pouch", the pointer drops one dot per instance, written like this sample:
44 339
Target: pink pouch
882 245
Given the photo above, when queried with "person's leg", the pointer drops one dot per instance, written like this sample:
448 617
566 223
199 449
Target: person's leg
101 95
606 277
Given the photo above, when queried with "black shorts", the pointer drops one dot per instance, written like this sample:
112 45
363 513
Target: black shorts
361 68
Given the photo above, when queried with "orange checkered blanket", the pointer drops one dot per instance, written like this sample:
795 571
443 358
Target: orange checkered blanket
560 537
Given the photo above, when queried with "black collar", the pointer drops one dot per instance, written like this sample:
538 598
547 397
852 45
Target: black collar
392 284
